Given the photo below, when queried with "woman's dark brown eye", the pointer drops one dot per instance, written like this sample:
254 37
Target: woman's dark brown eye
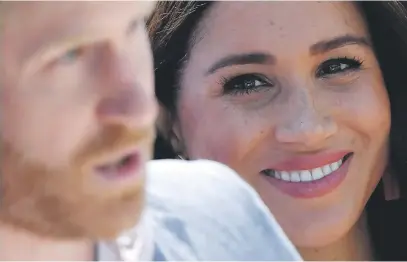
244 84
338 66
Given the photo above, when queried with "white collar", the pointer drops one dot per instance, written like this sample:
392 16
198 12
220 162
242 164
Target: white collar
137 244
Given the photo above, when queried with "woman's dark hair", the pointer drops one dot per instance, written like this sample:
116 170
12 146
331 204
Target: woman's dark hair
172 29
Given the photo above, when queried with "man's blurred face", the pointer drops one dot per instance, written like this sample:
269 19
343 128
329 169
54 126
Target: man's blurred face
77 116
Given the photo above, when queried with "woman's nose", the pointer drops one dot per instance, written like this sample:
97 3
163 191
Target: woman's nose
305 125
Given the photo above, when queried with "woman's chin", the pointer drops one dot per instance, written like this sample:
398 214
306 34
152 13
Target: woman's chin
314 228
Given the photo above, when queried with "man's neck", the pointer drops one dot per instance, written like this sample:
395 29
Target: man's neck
355 246
21 245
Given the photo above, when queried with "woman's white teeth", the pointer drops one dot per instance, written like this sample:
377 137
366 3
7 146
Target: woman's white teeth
305 175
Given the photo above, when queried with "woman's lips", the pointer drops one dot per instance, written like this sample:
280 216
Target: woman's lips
321 175
310 161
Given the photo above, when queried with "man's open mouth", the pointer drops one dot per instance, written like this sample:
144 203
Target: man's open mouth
123 166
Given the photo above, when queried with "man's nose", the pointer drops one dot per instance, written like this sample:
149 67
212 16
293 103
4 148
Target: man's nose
128 96
304 125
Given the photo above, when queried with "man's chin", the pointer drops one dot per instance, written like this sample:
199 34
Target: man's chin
70 202
66 204
86 221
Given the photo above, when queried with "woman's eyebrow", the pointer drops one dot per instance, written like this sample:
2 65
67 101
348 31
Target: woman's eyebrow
264 58
242 59
337 42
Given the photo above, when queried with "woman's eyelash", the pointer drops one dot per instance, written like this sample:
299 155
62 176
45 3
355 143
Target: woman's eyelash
244 84
251 82
339 65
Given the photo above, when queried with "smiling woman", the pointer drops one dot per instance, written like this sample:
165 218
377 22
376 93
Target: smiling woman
305 100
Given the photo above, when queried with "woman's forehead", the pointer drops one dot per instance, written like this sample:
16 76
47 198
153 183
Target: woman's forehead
253 22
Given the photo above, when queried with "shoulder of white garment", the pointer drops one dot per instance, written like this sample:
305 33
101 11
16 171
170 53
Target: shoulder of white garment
203 210
176 171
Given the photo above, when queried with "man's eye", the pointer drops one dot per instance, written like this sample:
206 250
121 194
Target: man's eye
135 25
338 66
70 56
244 84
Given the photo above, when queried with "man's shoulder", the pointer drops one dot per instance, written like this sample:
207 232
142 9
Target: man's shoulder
184 168
177 186
202 177
203 210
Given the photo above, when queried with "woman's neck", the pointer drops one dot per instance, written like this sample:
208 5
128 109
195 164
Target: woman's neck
356 245
13 241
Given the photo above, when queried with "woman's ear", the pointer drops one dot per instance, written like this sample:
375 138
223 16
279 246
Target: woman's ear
163 123
176 139
168 127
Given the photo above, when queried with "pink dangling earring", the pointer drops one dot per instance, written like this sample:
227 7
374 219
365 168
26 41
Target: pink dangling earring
390 187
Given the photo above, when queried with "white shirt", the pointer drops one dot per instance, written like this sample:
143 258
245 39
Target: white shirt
201 210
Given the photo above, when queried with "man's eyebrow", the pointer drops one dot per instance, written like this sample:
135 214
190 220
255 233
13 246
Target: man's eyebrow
242 59
337 42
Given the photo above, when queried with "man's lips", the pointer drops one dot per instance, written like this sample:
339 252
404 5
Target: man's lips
307 162
126 165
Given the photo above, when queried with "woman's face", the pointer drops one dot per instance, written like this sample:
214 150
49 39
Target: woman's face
290 95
